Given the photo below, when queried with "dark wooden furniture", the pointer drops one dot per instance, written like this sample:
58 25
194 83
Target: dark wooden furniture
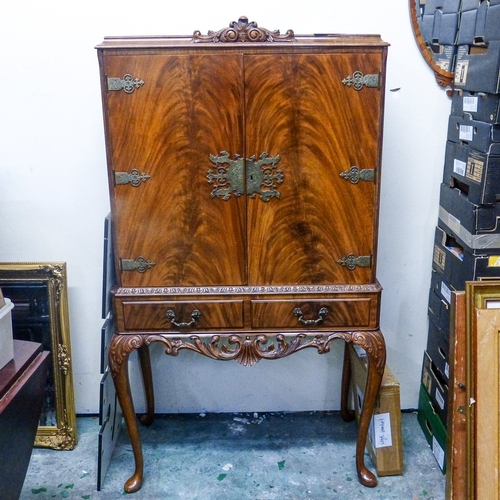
456 450
244 171
22 387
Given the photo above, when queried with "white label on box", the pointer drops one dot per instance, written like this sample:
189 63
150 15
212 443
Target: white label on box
466 133
459 167
438 452
447 370
382 435
470 104
461 69
445 292
439 399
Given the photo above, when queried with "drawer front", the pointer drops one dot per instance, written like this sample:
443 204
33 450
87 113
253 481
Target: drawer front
181 316
342 313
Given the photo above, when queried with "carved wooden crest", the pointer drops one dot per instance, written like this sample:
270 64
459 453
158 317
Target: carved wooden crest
243 31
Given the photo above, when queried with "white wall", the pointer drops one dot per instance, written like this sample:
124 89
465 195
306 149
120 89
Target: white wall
53 187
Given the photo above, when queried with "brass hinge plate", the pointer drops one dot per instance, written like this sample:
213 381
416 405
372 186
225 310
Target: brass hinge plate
352 261
357 81
140 264
128 83
354 175
135 178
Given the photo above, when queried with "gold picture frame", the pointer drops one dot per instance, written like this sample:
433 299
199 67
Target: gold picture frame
39 293
482 388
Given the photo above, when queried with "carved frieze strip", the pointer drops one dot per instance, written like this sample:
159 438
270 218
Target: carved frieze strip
233 290
243 31
248 350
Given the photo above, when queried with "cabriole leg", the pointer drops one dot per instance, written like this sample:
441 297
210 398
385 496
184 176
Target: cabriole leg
376 365
119 351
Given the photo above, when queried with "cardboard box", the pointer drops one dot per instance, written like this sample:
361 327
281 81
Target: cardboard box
478 68
474 226
433 428
459 264
467 27
475 174
445 27
384 446
438 348
6 340
427 26
480 23
436 387
492 22
481 106
439 302
439 26
473 133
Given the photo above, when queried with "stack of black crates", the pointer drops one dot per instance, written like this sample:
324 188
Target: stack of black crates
467 236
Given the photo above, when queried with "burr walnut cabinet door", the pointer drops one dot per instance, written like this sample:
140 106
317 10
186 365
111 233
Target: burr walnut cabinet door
297 107
188 108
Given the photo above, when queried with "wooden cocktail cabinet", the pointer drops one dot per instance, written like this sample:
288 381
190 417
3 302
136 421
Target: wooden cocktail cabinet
244 170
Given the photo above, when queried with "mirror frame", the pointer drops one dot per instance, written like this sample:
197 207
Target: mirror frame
443 78
53 274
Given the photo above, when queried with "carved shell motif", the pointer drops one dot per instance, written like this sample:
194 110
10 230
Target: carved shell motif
243 31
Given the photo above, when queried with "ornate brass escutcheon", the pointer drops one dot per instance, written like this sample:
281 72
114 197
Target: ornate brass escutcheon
352 261
128 83
228 177
357 81
322 313
354 175
140 264
194 316
135 178
261 176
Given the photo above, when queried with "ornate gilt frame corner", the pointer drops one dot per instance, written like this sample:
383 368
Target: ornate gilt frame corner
62 436
481 297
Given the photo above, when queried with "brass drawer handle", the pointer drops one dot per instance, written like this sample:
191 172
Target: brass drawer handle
194 316
321 316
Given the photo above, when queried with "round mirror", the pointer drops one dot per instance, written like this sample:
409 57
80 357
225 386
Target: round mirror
435 31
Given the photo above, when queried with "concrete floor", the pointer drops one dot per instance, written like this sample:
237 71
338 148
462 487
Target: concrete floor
281 456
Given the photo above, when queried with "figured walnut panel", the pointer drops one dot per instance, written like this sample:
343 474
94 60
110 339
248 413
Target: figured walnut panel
146 316
297 107
188 108
342 313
